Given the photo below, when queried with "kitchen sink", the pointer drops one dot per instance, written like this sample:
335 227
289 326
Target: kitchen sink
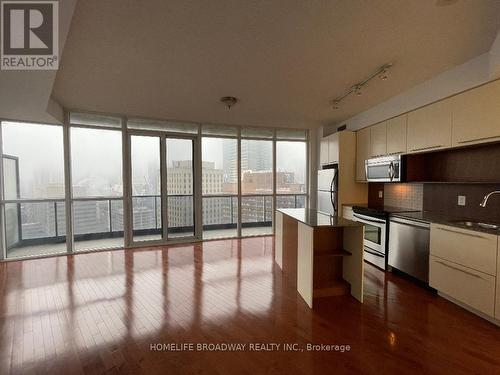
472 224
465 223
488 225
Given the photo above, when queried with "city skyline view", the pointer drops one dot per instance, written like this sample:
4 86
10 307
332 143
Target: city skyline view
41 177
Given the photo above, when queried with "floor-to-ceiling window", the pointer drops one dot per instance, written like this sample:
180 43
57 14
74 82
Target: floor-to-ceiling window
97 181
163 180
147 223
103 181
180 187
291 169
33 189
257 181
219 181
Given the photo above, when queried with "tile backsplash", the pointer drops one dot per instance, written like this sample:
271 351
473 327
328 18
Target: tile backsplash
404 195
442 198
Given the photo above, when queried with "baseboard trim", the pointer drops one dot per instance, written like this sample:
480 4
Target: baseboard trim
471 309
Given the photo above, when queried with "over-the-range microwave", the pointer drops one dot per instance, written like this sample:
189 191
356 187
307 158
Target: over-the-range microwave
385 169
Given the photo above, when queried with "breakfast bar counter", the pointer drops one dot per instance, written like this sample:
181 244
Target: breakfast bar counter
322 255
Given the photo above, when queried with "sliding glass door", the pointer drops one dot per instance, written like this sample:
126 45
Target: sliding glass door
180 187
220 187
257 178
106 181
33 189
145 156
162 186
97 190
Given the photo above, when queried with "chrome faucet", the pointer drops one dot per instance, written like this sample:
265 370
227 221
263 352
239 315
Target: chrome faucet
487 196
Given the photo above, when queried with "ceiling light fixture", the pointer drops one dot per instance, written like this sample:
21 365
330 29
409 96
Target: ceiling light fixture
384 74
229 101
381 72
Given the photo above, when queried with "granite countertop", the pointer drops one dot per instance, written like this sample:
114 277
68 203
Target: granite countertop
442 218
313 218
354 204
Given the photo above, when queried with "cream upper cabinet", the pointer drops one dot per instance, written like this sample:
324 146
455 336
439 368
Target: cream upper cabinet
323 152
476 115
333 148
329 149
396 135
378 140
362 152
429 128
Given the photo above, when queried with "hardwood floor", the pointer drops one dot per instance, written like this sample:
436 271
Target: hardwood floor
100 313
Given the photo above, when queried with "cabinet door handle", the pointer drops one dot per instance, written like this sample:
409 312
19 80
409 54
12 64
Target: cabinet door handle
458 269
427 148
458 232
479 139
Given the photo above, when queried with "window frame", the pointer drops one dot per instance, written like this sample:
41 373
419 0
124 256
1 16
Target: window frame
126 172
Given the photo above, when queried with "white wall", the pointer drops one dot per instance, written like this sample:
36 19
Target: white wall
25 95
314 137
474 72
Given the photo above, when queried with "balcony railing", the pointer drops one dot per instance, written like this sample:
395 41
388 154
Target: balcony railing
43 221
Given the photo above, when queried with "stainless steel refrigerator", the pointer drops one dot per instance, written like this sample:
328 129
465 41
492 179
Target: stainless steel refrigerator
327 190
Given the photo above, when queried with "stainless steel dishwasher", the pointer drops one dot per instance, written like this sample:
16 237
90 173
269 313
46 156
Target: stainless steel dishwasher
409 247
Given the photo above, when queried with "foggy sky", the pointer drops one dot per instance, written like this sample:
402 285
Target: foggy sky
96 154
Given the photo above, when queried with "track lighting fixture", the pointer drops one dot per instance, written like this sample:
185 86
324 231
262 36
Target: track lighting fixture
384 74
381 72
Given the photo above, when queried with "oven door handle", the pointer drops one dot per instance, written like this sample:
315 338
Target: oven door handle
370 220
373 252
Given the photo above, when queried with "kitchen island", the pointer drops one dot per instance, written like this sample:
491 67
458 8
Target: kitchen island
322 255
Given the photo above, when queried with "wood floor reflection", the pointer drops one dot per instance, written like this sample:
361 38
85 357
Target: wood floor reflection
100 312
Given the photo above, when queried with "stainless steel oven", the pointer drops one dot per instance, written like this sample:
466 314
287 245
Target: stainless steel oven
385 169
375 249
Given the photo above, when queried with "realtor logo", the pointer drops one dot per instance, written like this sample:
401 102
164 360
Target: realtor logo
30 39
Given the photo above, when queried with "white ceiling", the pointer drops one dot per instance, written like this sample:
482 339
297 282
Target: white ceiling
284 59
25 95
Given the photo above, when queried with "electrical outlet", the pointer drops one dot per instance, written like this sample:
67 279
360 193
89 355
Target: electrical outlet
461 200
380 193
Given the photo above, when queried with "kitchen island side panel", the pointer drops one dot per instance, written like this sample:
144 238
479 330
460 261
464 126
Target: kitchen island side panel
305 255
278 239
353 266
